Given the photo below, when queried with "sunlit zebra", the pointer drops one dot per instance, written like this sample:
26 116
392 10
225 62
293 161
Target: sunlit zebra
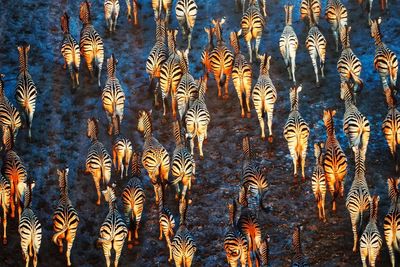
121 150
318 180
311 10
160 7
111 12
5 194
186 13
132 10
336 15
9 115
298 259
205 55
391 224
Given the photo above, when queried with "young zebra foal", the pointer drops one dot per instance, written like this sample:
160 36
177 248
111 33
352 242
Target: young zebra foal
111 12
65 217
264 97
391 223
296 133
113 231
318 181
5 194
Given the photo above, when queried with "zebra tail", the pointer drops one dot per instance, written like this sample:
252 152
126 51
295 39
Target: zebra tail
153 83
222 79
177 180
187 24
101 241
358 81
393 86
56 235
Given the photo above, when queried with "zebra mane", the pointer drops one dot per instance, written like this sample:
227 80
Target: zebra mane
92 128
63 180
202 87
373 214
296 243
135 165
23 49
160 30
247 148
171 38
112 66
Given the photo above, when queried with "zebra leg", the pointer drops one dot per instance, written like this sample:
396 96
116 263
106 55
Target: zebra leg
30 119
161 232
258 41
261 121
70 241
240 96
190 39
250 50
287 64
303 162
60 243
12 202
155 186
248 95
270 116
323 207
107 252
314 63
200 144
188 261
4 226
135 13
364 254
118 249
355 218
128 5
97 185
226 94
336 37
389 242
127 159
167 238
177 190
293 67
174 104
72 74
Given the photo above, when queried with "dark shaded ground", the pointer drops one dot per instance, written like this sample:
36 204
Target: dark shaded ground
60 126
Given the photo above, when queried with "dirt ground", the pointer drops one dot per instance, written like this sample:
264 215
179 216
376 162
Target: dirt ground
59 134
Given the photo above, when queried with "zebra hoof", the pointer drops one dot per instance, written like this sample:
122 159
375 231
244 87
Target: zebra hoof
248 115
318 85
242 115
225 97
270 139
5 241
60 249
201 157
130 245
205 141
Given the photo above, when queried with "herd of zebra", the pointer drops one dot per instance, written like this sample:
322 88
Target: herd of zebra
169 73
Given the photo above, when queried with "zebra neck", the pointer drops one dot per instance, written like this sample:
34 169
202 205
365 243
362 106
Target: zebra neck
330 129
378 39
111 205
374 213
295 105
23 61
288 17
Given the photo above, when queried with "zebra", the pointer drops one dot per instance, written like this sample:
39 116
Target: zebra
183 244
113 96
186 12
65 217
183 165
368 7
241 75
288 44
336 15
90 44
264 251
318 180
29 227
186 92
113 231
14 171
171 73
155 158
132 10
133 198
166 221
252 27
205 55
310 9
121 150
348 65
111 12
25 92
197 119
391 223
384 6
264 97
357 200
296 133
70 52
98 160
235 242
391 126
156 59
221 60
385 61
355 125
371 240
316 46
160 6
9 115
335 161
5 195
298 259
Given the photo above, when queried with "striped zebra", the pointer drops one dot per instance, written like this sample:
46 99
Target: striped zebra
357 200
336 15
171 73
298 259
65 217
155 158
183 244
318 180
391 224
91 44
186 13
121 151
5 195
132 10
335 161
288 44
355 125
264 251
252 26
25 91
205 55
113 231
385 61
348 65
186 92
70 52
235 243
160 7
29 227
391 126
221 60
113 96
311 10
157 57
9 115
183 165
197 119
166 221
133 198
316 46
111 12
241 75
98 161
14 171
264 97
253 178
368 7
371 239
296 133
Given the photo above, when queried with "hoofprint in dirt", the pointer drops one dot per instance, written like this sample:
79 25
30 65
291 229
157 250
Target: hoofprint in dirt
59 134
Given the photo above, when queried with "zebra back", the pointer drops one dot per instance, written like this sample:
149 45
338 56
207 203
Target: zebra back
294 97
264 64
63 181
171 38
202 87
7 138
184 60
235 42
390 97
393 190
65 23
344 31
182 212
288 14
92 129
247 153
296 240
23 49
136 166
373 214
177 132
218 30
145 124
111 66
160 30
84 12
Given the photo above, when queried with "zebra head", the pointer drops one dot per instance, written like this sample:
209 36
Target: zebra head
264 64
144 122
328 118
294 97
375 29
218 28
65 23
109 193
345 92
63 179
111 66
393 189
92 128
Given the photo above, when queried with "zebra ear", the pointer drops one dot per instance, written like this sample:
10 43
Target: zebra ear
150 111
214 22
59 172
206 30
32 185
321 144
379 20
316 146
299 88
378 198
268 59
66 171
222 20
